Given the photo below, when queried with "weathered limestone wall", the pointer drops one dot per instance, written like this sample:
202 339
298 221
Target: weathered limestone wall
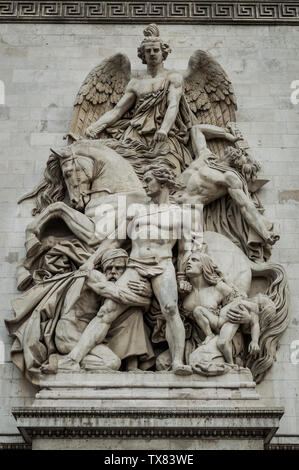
42 67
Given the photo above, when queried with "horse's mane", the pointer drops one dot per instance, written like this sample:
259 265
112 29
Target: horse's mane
52 187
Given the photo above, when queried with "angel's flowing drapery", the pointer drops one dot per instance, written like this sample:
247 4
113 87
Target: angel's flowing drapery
148 115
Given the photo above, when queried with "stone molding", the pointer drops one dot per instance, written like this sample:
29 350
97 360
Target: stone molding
95 423
282 447
31 412
170 12
15 446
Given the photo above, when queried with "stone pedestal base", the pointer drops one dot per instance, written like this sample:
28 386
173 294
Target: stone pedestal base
147 411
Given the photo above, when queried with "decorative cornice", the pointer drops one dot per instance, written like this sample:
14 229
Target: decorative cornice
90 423
14 446
166 11
32 412
147 433
282 447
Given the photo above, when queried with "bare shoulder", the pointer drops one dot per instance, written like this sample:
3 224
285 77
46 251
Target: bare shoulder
224 288
132 86
175 78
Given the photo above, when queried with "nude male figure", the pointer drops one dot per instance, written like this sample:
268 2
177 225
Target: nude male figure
204 184
156 230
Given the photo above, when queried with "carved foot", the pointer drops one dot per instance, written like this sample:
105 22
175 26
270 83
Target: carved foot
182 369
68 364
48 369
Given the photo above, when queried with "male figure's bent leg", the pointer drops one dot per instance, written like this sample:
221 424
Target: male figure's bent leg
94 333
206 320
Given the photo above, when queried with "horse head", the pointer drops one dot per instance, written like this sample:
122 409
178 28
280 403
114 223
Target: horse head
78 173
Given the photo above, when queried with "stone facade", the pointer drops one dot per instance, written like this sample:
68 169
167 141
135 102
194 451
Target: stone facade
42 67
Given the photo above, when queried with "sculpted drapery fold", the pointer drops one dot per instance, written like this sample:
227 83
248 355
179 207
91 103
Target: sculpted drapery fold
165 282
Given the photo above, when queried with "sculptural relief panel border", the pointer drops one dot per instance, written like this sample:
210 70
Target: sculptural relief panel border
190 12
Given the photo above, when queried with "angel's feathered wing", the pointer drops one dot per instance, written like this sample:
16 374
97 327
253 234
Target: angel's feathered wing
100 91
210 94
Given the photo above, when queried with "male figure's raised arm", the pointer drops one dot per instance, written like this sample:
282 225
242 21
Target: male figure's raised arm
247 208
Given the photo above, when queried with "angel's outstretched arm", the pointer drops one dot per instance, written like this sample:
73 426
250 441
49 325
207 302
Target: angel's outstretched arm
112 116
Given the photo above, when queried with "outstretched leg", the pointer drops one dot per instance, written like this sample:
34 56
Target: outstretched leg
97 329
94 334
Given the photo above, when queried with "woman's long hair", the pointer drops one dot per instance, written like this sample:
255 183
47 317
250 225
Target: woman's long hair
274 317
210 270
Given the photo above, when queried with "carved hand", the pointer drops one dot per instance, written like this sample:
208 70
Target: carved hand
253 349
232 138
160 136
140 288
239 314
184 287
93 130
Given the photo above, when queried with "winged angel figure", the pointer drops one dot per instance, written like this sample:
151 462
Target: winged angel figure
164 113
180 125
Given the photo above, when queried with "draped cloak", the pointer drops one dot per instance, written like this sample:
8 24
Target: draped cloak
133 139
224 216
57 287
135 136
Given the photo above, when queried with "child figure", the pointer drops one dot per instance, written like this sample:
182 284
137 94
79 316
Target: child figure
260 309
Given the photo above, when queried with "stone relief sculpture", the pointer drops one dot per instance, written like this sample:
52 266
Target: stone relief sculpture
128 340
149 249
150 258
